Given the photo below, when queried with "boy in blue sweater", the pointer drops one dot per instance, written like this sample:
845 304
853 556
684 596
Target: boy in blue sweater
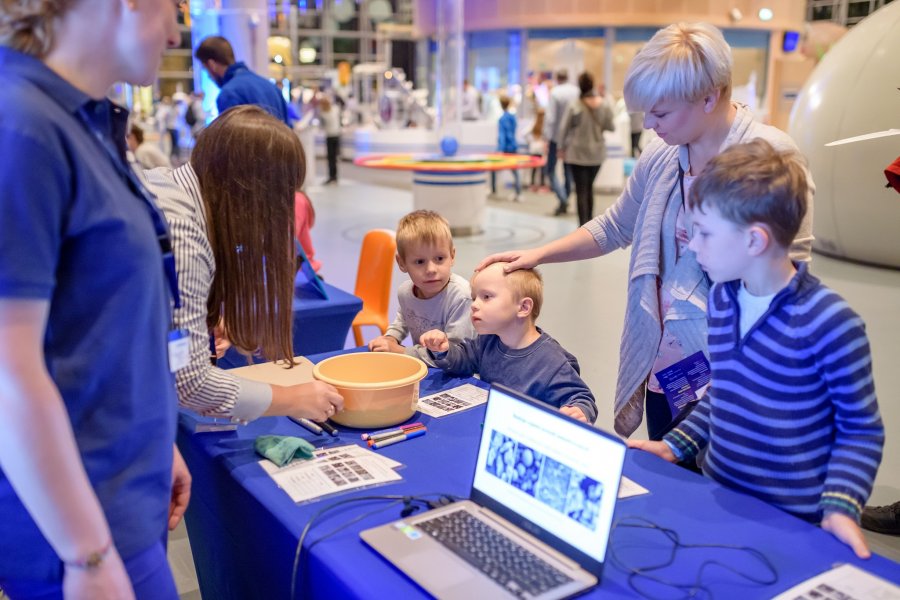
506 142
791 415
509 348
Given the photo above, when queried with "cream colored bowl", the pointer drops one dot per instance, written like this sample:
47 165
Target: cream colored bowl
380 389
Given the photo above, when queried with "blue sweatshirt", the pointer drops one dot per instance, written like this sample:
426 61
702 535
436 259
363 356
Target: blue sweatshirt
240 86
791 415
543 370
506 133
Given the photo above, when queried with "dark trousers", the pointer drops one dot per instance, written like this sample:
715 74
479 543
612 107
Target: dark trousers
635 141
562 191
537 172
584 190
173 135
332 149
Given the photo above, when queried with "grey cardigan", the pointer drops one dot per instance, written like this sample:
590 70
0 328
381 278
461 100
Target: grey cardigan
581 133
636 219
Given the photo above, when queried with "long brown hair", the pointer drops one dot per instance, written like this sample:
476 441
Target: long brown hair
249 164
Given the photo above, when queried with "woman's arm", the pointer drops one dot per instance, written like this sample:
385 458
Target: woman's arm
577 245
39 455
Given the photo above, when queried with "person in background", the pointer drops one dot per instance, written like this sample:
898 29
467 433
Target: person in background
561 96
434 297
330 120
506 142
304 220
637 128
681 80
237 84
581 144
231 210
471 100
537 145
167 123
791 415
146 154
90 473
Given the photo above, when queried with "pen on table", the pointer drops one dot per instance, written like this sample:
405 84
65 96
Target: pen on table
328 427
399 438
307 425
393 430
389 436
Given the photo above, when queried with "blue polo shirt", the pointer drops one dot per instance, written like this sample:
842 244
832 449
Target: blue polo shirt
240 85
75 234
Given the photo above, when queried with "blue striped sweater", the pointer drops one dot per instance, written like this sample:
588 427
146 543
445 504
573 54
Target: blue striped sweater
791 415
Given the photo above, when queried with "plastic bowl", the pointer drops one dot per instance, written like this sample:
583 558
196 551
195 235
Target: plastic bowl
380 389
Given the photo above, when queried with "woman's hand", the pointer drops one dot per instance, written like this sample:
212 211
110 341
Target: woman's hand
315 400
435 340
181 490
516 259
660 449
386 343
220 335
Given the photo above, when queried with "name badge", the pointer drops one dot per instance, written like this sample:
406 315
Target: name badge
179 349
684 382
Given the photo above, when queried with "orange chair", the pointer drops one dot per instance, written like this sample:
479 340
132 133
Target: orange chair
373 281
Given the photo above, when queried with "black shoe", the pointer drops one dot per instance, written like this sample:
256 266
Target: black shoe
882 519
560 211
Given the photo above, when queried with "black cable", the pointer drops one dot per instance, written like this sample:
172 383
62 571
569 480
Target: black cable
691 589
408 501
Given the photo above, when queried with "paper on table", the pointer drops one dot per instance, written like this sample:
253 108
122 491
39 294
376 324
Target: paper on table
628 488
308 480
353 451
845 582
453 400
276 373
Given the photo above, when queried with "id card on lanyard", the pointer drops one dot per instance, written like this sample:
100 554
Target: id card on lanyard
178 342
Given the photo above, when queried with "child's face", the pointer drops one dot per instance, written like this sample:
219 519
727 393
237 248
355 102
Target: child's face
720 245
429 266
494 306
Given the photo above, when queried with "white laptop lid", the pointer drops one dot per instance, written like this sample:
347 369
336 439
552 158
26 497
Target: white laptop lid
551 475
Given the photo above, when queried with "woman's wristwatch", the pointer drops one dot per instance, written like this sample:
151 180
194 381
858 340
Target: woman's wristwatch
91 561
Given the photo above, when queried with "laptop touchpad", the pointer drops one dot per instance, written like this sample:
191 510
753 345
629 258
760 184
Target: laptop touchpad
440 569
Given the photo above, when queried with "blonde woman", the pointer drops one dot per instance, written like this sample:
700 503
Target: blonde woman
90 477
681 79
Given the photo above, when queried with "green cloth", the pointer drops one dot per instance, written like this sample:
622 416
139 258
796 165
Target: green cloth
282 449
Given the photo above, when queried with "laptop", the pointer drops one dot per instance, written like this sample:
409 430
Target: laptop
538 520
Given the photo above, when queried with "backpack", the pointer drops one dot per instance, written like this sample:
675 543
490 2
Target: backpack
190 116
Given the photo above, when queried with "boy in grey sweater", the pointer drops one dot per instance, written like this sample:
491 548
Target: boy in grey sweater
510 348
434 297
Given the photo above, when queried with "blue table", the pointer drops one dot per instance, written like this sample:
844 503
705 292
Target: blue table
320 324
244 530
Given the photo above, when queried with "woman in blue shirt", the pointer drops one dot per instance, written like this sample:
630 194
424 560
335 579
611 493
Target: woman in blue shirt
90 477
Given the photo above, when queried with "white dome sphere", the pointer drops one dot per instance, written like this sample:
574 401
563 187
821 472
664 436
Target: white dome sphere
853 91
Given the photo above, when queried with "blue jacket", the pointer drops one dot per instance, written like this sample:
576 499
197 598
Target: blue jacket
240 85
506 133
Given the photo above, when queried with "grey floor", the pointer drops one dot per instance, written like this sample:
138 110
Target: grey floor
584 302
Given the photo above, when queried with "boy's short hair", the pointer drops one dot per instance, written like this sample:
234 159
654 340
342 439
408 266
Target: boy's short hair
504 101
527 283
682 62
138 133
216 48
422 227
755 183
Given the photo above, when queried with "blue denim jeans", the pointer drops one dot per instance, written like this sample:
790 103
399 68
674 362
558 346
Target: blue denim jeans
563 190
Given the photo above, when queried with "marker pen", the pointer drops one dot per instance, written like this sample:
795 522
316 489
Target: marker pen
307 425
399 438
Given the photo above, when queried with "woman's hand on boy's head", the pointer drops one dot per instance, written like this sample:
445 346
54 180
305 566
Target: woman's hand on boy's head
660 449
846 530
386 343
515 259
574 412
435 340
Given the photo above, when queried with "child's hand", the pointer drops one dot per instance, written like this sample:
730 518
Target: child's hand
574 412
846 530
435 340
660 449
386 343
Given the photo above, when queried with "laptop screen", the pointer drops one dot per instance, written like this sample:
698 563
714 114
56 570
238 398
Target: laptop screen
554 474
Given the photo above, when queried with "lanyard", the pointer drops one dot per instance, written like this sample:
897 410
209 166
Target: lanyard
138 189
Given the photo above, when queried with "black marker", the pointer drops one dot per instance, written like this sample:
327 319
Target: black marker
328 427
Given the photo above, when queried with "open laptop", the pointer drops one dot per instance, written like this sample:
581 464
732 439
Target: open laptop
538 520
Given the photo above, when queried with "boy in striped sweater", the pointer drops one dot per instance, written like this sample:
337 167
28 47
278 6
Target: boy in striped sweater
791 415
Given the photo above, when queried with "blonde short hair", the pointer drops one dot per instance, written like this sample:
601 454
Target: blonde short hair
682 62
527 283
28 25
422 227
755 183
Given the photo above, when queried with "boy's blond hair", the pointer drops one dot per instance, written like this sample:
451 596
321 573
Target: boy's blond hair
755 183
422 227
527 283
683 62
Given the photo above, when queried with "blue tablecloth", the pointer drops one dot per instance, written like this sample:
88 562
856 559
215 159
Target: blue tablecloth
244 530
320 324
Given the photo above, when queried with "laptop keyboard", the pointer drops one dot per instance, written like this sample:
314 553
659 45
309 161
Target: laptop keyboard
521 572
